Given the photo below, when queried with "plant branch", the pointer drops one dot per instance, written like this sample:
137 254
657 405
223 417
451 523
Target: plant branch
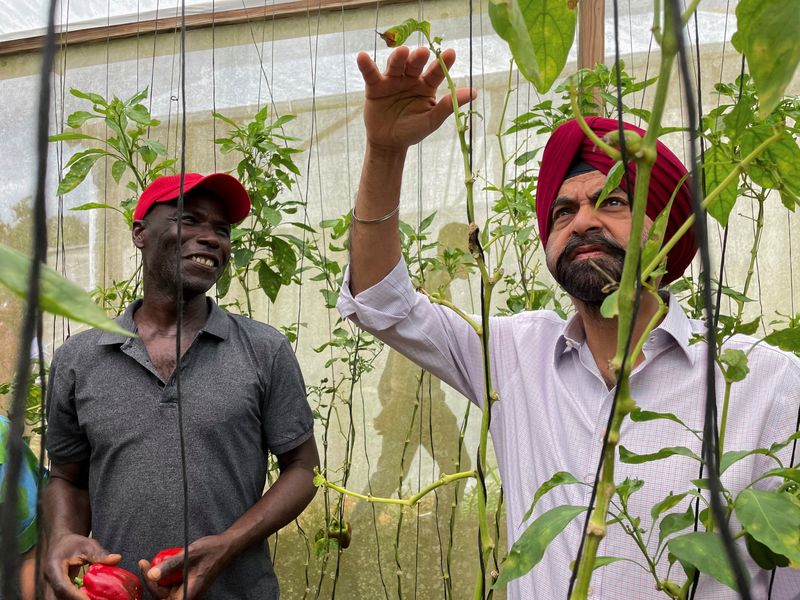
709 200
321 481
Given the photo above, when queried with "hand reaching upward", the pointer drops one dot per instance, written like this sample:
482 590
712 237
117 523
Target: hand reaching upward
401 107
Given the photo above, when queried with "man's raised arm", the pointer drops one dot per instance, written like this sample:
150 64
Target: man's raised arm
400 110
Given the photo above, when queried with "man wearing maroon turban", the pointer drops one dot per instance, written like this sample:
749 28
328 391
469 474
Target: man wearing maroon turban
552 376
569 152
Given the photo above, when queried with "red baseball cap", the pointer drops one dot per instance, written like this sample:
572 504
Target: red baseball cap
226 187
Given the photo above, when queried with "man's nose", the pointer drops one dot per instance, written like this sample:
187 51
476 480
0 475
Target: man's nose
586 219
208 236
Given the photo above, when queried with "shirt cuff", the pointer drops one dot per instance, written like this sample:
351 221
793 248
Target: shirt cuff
381 306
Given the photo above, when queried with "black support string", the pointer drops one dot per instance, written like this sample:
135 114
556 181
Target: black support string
179 305
31 321
710 428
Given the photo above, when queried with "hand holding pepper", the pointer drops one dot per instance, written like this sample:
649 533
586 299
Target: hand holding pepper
65 556
208 556
104 582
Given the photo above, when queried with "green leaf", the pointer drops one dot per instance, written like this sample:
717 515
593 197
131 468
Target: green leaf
148 154
551 26
638 415
118 169
772 519
675 522
77 173
283 120
655 237
78 118
736 362
632 458
610 306
269 280
670 501
224 282
767 36
740 117
426 222
529 549
331 297
94 98
137 98
628 487
718 165
242 257
397 35
731 457
284 258
763 556
58 296
140 114
69 136
787 473
778 446
93 205
560 478
789 199
777 165
156 147
84 153
271 216
526 157
785 339
509 23
613 179
704 551
748 328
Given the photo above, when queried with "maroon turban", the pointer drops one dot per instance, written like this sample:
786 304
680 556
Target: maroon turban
569 144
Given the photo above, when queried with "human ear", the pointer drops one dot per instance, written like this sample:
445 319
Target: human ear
137 233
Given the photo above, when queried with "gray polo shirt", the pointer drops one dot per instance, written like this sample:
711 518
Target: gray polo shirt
242 395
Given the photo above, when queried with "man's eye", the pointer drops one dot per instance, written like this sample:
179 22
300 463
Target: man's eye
614 201
561 212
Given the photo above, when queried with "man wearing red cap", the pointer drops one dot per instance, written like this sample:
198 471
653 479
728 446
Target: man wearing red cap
113 433
552 376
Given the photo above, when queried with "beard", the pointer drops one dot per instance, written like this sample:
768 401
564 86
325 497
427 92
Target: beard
590 280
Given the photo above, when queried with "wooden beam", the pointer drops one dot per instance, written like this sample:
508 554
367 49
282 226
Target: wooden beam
228 17
591 33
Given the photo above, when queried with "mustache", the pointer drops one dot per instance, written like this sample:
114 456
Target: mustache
596 239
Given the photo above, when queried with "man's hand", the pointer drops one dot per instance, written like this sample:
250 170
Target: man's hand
401 108
208 556
65 557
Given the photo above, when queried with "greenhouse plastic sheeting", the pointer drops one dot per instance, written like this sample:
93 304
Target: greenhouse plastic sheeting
21 20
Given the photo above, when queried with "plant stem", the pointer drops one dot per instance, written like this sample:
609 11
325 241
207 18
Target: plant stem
410 501
645 158
486 544
761 198
724 419
709 199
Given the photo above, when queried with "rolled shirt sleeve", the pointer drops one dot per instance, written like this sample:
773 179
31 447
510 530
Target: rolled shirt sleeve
433 336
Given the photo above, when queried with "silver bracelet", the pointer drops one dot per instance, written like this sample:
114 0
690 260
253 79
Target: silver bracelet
385 217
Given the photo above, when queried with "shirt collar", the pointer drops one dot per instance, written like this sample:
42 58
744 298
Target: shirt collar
217 324
674 328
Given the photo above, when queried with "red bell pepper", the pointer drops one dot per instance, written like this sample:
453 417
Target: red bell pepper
103 582
174 578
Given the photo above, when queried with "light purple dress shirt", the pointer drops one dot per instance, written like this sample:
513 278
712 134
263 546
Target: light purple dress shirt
553 409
